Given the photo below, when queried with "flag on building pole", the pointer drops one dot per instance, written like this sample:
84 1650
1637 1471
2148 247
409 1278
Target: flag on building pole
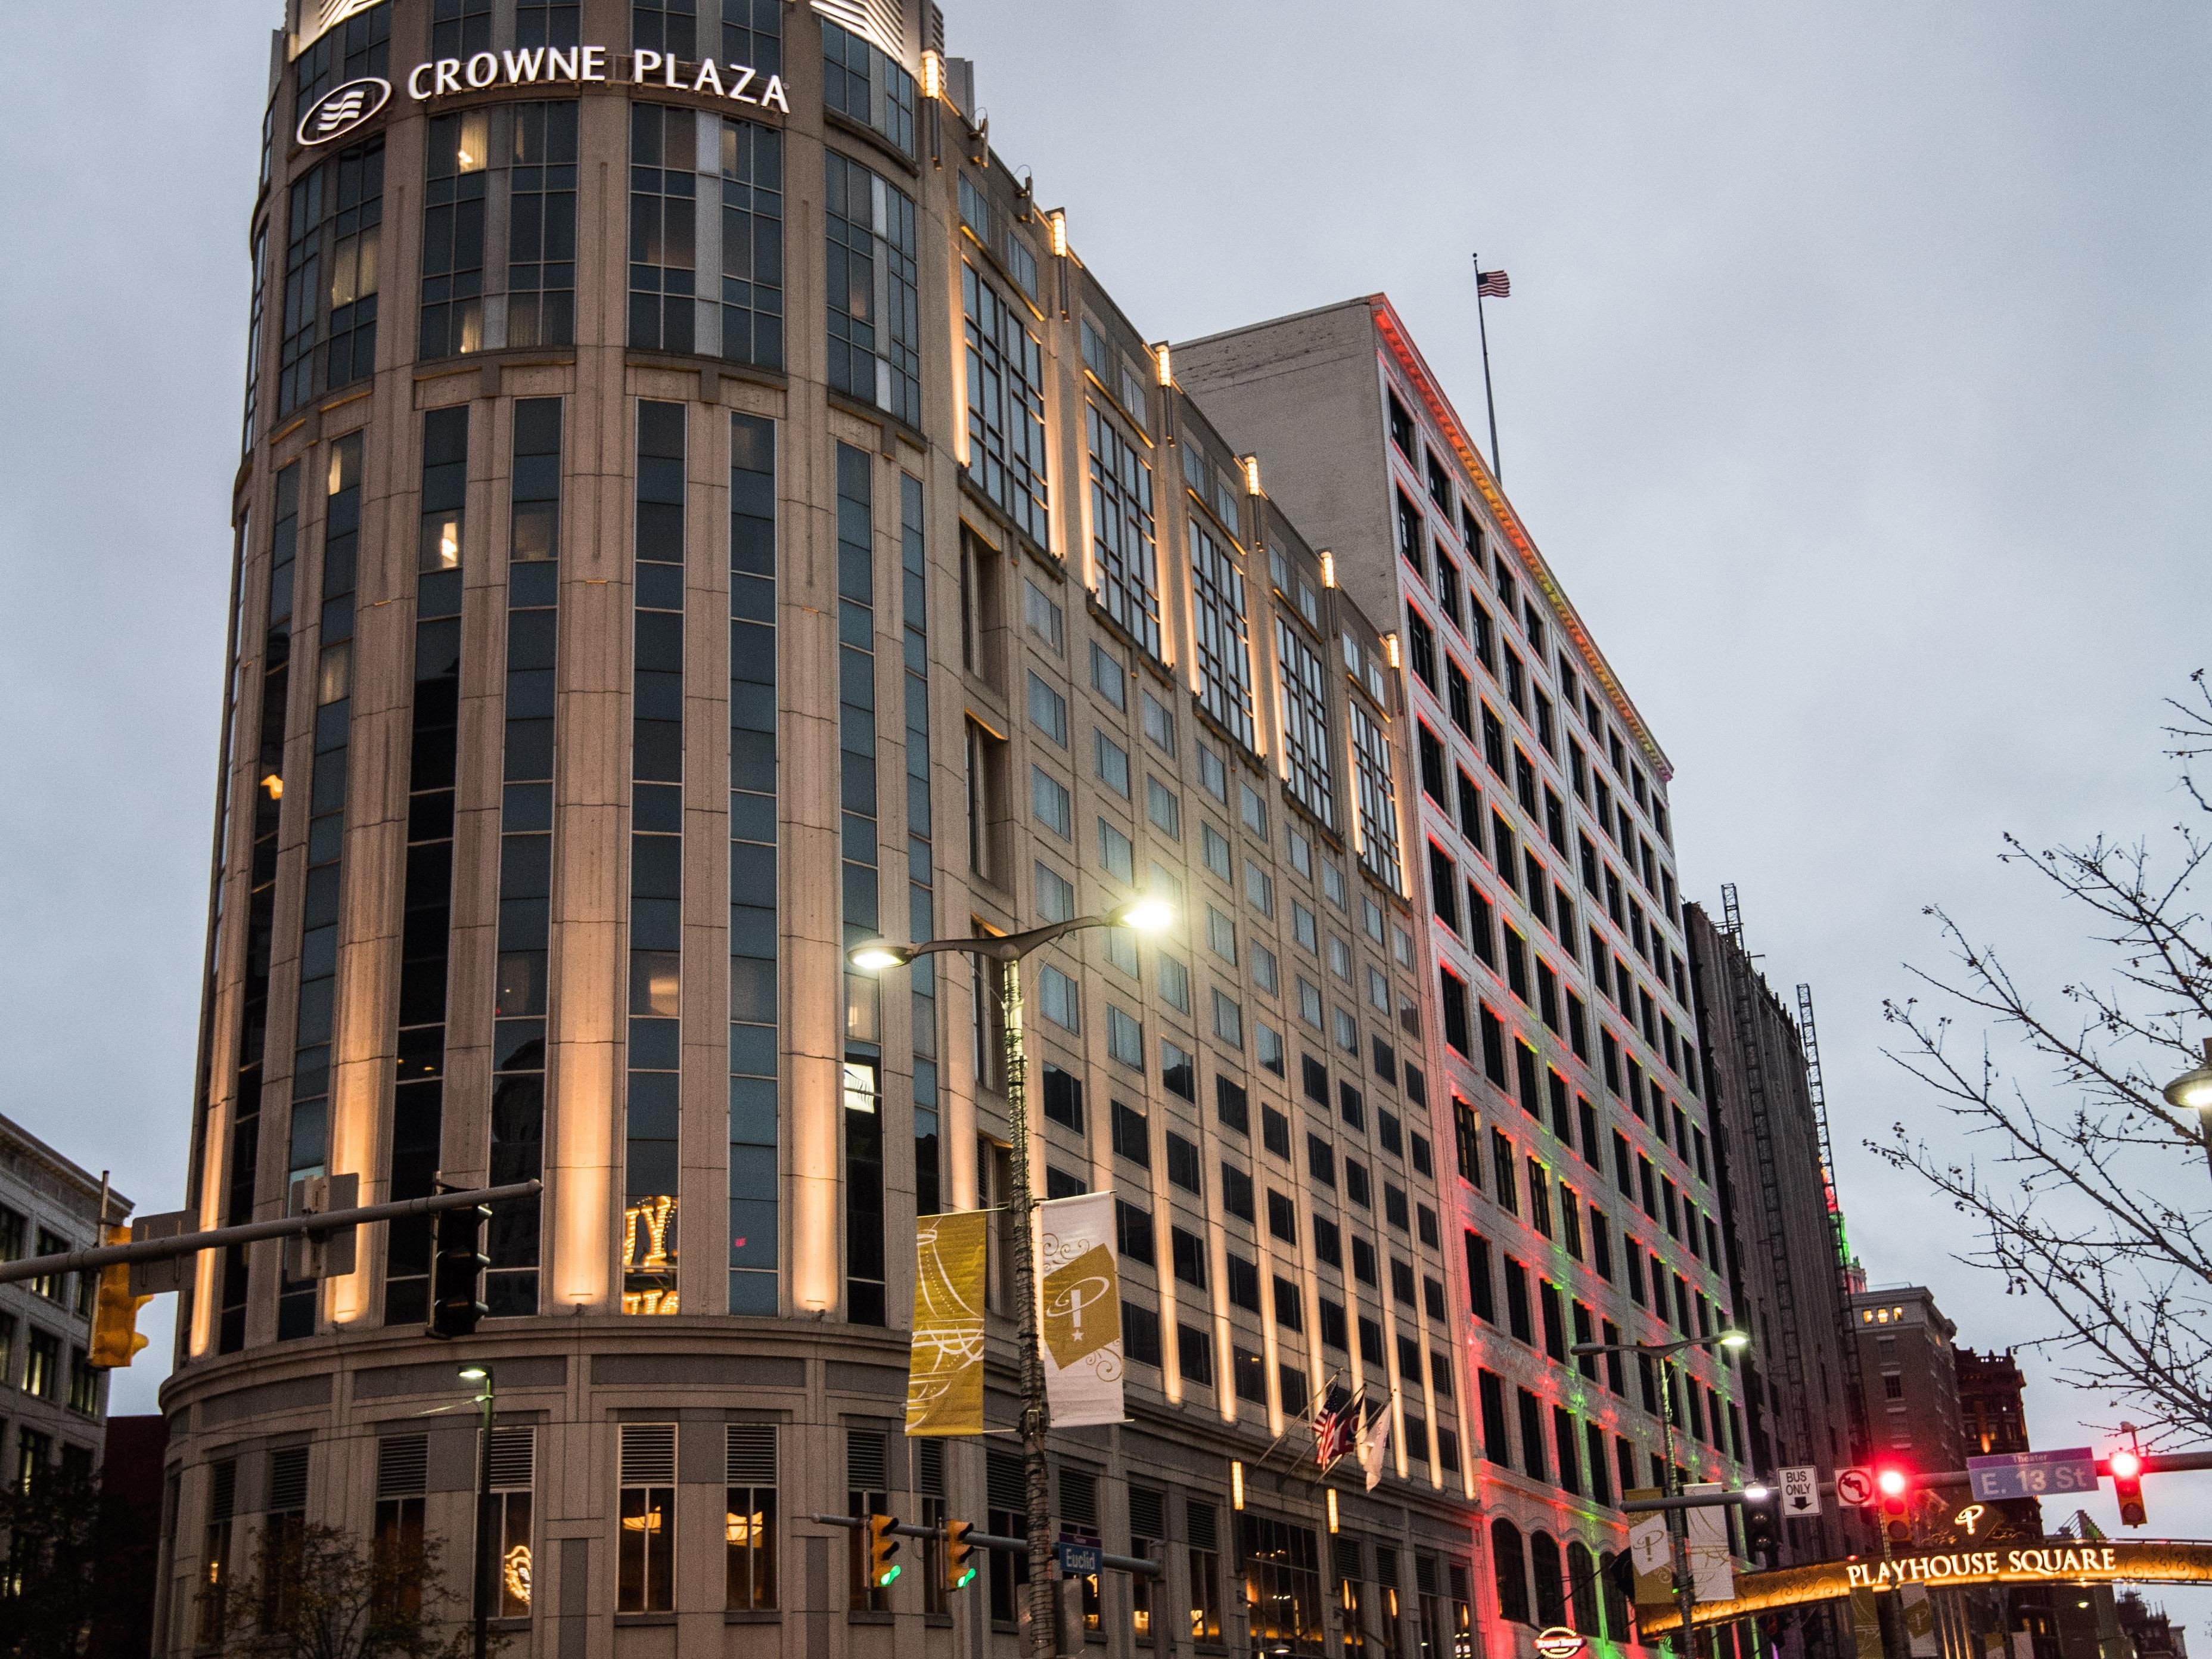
1706 1537
1489 285
1080 1309
1374 1442
1332 1427
945 1366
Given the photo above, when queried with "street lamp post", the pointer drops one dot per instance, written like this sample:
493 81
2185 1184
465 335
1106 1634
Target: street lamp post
2192 1092
487 1552
1678 1540
1007 950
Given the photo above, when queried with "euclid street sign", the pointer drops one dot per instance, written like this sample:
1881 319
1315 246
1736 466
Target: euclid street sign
2055 1560
2034 1473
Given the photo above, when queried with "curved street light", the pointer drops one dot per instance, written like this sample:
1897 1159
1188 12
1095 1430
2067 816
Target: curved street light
1677 1523
2192 1092
1142 914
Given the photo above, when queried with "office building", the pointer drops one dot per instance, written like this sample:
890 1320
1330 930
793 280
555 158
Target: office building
1586 1207
698 512
1909 1368
53 1405
1783 1227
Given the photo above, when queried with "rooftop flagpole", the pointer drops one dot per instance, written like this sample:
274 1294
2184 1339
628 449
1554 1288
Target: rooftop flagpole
1496 471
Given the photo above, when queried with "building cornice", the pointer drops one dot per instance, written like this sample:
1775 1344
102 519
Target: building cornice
1431 392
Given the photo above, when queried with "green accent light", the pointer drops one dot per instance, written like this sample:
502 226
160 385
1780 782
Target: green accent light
966 1579
890 1573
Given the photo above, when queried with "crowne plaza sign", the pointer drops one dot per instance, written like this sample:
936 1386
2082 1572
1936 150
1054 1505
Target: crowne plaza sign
2053 1561
575 65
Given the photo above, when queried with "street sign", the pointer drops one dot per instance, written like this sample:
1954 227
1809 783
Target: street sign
2034 1473
1854 1485
1801 1491
1559 1643
1079 1560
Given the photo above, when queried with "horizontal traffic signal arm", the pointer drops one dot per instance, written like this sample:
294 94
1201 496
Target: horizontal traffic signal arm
1702 1500
159 1249
988 1541
2153 1463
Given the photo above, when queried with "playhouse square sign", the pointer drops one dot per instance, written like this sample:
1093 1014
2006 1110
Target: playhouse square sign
2054 1561
2049 1561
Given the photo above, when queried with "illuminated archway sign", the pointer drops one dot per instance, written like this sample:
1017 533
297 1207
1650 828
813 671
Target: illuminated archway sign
1559 1643
2054 1561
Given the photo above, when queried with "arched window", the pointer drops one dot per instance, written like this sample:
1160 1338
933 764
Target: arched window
1616 1602
1582 1590
1551 1588
1511 1567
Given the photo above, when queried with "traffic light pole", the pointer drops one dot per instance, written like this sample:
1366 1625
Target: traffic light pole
162 1249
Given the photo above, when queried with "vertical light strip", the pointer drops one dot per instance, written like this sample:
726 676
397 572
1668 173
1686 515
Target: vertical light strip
656 847
516 1149
857 755
425 953
755 1188
921 872
228 1311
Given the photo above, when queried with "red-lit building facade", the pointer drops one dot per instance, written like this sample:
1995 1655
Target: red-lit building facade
1586 1206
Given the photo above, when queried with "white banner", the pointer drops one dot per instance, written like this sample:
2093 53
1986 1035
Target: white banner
1080 1309
1710 1567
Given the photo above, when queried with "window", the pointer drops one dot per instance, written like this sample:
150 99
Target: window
1108 679
1178 1071
1282 1216
874 313
1043 618
663 230
1194 1357
1122 532
1005 406
1189 1254
1052 805
645 1533
459 150
1243 1286
1237 1192
1305 724
1164 809
1224 653
1160 725
1132 1136
1228 1019
331 267
1378 813
1125 1038
1048 710
1111 762
1133 1233
749 1521
1056 895
1173 982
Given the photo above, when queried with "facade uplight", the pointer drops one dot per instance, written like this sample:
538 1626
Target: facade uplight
1251 475
1059 223
1236 1484
933 74
1328 568
1160 357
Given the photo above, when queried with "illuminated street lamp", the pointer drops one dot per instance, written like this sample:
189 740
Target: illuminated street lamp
2192 1092
1142 914
1685 1591
486 1558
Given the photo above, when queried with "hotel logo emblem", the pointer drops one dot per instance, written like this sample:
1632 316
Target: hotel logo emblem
342 109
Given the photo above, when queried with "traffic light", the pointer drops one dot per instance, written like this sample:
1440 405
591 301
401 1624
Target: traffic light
1894 1486
2126 1464
882 1546
959 1571
457 1275
115 1336
1761 1533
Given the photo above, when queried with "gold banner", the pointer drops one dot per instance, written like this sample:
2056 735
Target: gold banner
944 1371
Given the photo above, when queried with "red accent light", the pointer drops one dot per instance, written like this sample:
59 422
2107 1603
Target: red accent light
2125 1464
1891 1482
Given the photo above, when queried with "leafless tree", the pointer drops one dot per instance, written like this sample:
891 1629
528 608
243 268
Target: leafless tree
2085 1190
318 1594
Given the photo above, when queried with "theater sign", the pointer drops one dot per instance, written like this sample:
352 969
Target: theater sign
2052 1561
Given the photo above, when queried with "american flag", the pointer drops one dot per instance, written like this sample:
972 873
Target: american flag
1492 285
1331 1426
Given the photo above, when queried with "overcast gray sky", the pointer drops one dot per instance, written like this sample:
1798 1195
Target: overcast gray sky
1853 382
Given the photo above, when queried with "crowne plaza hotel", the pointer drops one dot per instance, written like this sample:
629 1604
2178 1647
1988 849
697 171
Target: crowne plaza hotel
698 512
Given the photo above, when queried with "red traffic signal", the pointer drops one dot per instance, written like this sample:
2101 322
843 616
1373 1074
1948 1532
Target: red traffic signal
2126 1466
1893 1487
